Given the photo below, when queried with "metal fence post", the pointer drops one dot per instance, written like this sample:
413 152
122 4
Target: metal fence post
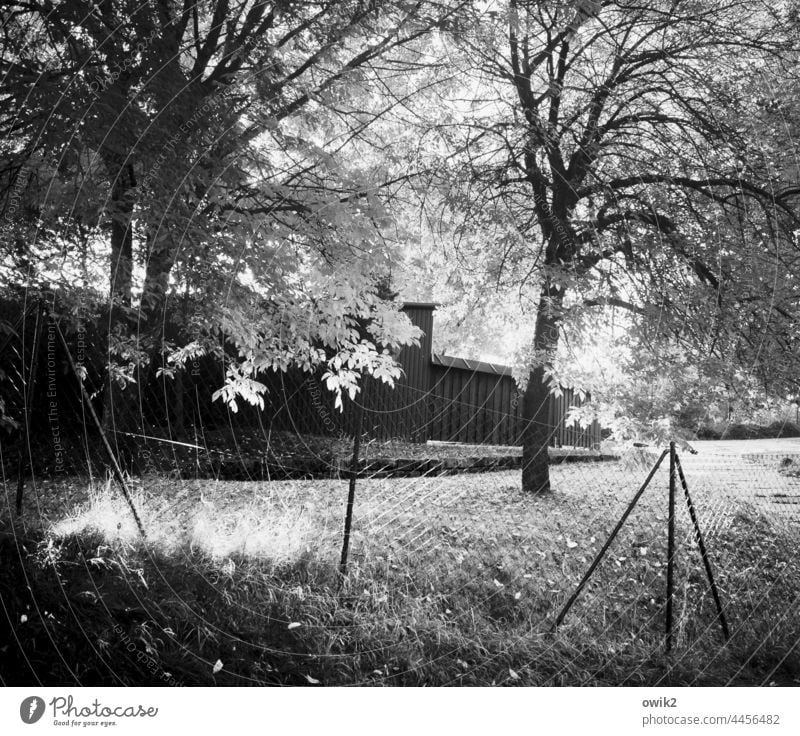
670 545
351 494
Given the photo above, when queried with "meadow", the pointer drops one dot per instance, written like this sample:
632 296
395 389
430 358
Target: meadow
452 580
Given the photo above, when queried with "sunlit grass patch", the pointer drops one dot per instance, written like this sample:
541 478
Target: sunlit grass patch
278 538
104 512
260 525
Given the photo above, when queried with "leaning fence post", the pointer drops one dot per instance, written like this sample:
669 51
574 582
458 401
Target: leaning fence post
610 539
111 456
28 397
703 552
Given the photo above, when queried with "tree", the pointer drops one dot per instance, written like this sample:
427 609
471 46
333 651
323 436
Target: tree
201 144
598 132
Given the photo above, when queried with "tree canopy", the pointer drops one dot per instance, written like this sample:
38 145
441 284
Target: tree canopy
621 155
267 164
209 151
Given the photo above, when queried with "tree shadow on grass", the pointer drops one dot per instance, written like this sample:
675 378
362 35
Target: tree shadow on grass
78 612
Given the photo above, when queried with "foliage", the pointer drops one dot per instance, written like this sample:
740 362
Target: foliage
632 155
260 168
650 389
209 154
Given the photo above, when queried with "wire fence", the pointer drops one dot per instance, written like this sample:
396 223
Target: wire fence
449 573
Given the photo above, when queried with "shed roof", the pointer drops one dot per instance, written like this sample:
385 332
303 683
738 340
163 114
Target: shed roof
421 305
479 366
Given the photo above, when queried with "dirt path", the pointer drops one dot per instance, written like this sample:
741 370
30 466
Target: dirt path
764 474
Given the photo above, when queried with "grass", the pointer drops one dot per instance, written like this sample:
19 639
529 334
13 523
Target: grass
452 581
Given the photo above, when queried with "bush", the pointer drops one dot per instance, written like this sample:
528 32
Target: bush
784 429
708 433
743 431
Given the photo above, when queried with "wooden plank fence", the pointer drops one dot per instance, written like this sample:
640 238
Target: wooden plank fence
439 398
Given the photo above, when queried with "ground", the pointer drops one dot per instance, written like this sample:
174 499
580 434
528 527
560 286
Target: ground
789 445
451 580
253 454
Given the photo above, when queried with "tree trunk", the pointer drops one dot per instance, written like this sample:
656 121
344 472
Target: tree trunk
121 276
537 432
160 260
120 406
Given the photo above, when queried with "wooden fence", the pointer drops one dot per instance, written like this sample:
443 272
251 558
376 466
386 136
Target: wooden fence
480 403
438 398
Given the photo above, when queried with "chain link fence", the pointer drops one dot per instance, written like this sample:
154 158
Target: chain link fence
453 574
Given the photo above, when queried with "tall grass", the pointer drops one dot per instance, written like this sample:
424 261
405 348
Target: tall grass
452 581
